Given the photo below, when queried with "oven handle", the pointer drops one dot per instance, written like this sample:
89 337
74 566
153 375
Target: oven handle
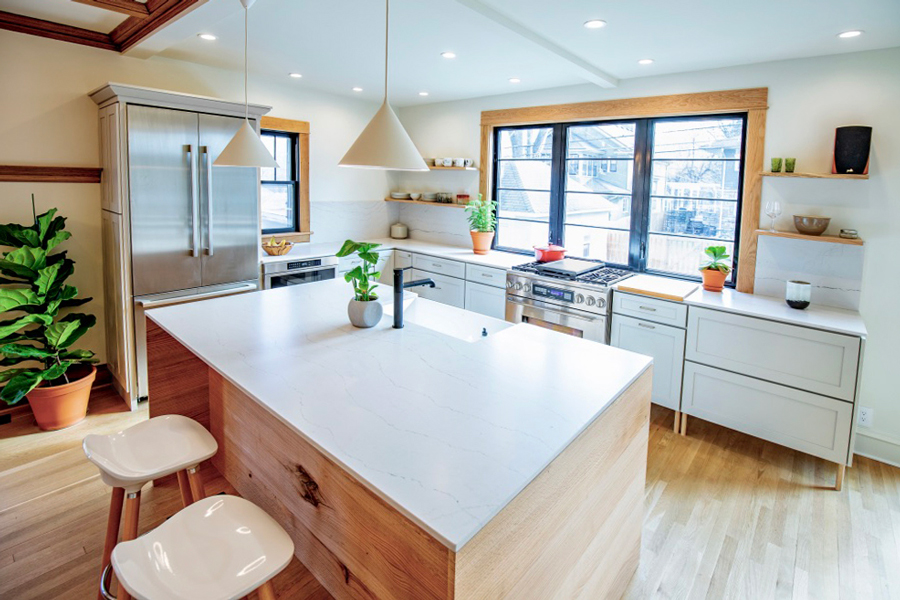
553 309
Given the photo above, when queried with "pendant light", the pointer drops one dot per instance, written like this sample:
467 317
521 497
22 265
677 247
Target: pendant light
246 149
384 144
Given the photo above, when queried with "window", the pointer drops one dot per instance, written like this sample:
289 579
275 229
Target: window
649 194
280 188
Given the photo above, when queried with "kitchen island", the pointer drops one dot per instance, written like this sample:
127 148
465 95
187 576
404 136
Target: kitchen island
426 462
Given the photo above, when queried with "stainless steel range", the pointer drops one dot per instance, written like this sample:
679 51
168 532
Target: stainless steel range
570 295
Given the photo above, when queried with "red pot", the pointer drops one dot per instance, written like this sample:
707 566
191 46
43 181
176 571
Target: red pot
549 253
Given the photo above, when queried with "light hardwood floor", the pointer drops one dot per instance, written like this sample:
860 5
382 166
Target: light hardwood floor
726 516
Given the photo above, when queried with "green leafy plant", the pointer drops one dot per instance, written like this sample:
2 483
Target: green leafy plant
716 262
33 292
481 215
363 276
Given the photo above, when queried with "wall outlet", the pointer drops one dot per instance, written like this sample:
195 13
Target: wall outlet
866 416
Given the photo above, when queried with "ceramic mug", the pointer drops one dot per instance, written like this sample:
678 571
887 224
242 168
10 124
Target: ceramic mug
447 162
797 294
459 162
468 162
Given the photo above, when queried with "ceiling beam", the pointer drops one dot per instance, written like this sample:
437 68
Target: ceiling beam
132 8
55 31
580 66
132 30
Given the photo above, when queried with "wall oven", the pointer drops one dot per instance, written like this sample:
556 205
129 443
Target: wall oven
298 272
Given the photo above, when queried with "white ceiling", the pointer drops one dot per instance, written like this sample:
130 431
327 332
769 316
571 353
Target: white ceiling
338 44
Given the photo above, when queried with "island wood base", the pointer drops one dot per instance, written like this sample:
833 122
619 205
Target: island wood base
573 532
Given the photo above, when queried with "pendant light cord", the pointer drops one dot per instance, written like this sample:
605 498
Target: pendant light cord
246 63
387 18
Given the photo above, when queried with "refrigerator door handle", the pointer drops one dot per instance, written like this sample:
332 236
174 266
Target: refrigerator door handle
195 205
209 200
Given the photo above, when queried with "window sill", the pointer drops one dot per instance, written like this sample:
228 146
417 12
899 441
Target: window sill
297 237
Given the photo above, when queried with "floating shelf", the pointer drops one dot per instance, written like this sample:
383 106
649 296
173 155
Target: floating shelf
815 175
424 203
813 238
39 174
433 168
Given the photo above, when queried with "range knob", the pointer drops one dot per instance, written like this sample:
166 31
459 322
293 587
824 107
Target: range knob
518 286
527 287
510 284
591 301
579 299
601 302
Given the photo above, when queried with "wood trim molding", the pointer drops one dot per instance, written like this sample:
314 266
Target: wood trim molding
752 101
134 29
301 128
132 8
49 174
55 31
290 125
626 108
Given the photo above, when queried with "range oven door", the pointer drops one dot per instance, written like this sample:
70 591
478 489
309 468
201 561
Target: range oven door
558 318
277 280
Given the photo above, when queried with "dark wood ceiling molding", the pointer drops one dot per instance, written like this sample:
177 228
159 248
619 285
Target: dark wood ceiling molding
132 30
56 31
32 174
132 8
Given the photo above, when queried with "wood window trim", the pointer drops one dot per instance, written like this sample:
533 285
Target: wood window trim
301 128
752 101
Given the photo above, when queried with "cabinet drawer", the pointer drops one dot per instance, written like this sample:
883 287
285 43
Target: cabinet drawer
486 300
439 265
662 342
650 309
486 275
447 290
800 420
402 259
348 263
808 359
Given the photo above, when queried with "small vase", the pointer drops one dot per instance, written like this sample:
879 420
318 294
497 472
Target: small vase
713 280
365 314
481 241
797 294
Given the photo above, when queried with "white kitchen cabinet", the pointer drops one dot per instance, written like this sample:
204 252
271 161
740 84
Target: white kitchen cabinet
402 259
447 290
665 312
451 268
665 344
486 275
348 263
486 300
386 266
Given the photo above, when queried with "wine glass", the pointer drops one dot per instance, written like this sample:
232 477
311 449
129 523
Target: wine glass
773 211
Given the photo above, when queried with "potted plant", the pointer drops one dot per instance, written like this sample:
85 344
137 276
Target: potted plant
715 270
364 309
482 223
55 378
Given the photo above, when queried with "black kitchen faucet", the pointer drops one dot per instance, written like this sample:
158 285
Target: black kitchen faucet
399 286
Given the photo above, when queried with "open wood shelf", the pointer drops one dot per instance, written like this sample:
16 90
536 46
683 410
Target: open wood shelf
41 174
433 168
813 238
424 203
815 175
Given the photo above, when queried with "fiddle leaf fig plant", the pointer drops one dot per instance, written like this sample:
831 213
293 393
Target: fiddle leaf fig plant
716 262
363 276
33 291
481 215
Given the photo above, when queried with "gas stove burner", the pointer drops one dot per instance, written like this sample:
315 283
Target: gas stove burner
576 270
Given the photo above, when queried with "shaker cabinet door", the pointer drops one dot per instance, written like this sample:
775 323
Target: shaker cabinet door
486 300
665 344
447 290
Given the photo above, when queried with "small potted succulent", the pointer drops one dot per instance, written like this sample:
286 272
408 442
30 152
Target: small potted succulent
482 223
55 378
364 309
715 269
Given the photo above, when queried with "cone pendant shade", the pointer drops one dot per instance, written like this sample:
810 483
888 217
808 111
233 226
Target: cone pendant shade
384 144
245 150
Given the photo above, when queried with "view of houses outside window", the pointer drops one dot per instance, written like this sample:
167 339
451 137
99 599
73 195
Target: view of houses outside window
689 200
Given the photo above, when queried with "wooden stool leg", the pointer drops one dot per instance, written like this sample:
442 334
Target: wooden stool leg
112 528
130 528
676 427
684 423
839 477
185 488
266 591
193 475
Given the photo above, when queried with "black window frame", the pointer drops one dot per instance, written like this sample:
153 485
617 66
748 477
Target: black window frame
294 180
639 237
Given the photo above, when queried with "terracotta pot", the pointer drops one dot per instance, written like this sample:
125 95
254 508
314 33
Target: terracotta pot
481 241
365 314
59 406
713 280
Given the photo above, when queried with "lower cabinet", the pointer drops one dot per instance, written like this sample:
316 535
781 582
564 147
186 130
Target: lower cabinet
447 290
665 344
804 421
486 300
386 266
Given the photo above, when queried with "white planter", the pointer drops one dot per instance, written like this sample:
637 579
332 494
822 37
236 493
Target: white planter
364 314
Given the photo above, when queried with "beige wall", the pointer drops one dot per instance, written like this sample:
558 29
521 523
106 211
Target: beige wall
807 100
48 119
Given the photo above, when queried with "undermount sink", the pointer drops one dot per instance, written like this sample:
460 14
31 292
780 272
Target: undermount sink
461 324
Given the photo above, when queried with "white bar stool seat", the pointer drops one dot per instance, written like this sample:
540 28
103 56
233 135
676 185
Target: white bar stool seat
219 548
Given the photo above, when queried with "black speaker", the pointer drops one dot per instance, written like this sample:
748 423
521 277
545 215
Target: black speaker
851 149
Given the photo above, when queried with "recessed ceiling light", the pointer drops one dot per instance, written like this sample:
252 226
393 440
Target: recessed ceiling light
595 24
645 61
448 54
515 80
423 93
207 36
850 34
357 89
295 75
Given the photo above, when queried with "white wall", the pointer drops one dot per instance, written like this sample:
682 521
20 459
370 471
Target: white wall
48 119
807 100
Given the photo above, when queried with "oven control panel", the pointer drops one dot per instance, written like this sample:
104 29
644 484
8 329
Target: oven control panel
543 291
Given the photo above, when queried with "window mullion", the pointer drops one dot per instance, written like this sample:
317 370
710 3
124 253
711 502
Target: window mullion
640 198
558 184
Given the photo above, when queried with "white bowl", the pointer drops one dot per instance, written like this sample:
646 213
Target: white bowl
415 196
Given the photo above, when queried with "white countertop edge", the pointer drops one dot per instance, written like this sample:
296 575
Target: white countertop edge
455 547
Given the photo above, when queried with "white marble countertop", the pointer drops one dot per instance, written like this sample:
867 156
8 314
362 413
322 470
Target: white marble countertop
837 320
447 431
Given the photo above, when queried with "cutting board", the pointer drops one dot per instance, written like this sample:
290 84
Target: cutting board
658 287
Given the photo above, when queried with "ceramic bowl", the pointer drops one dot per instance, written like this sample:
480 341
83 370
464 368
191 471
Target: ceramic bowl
415 196
810 225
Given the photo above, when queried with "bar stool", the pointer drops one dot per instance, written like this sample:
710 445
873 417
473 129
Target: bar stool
219 548
129 459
